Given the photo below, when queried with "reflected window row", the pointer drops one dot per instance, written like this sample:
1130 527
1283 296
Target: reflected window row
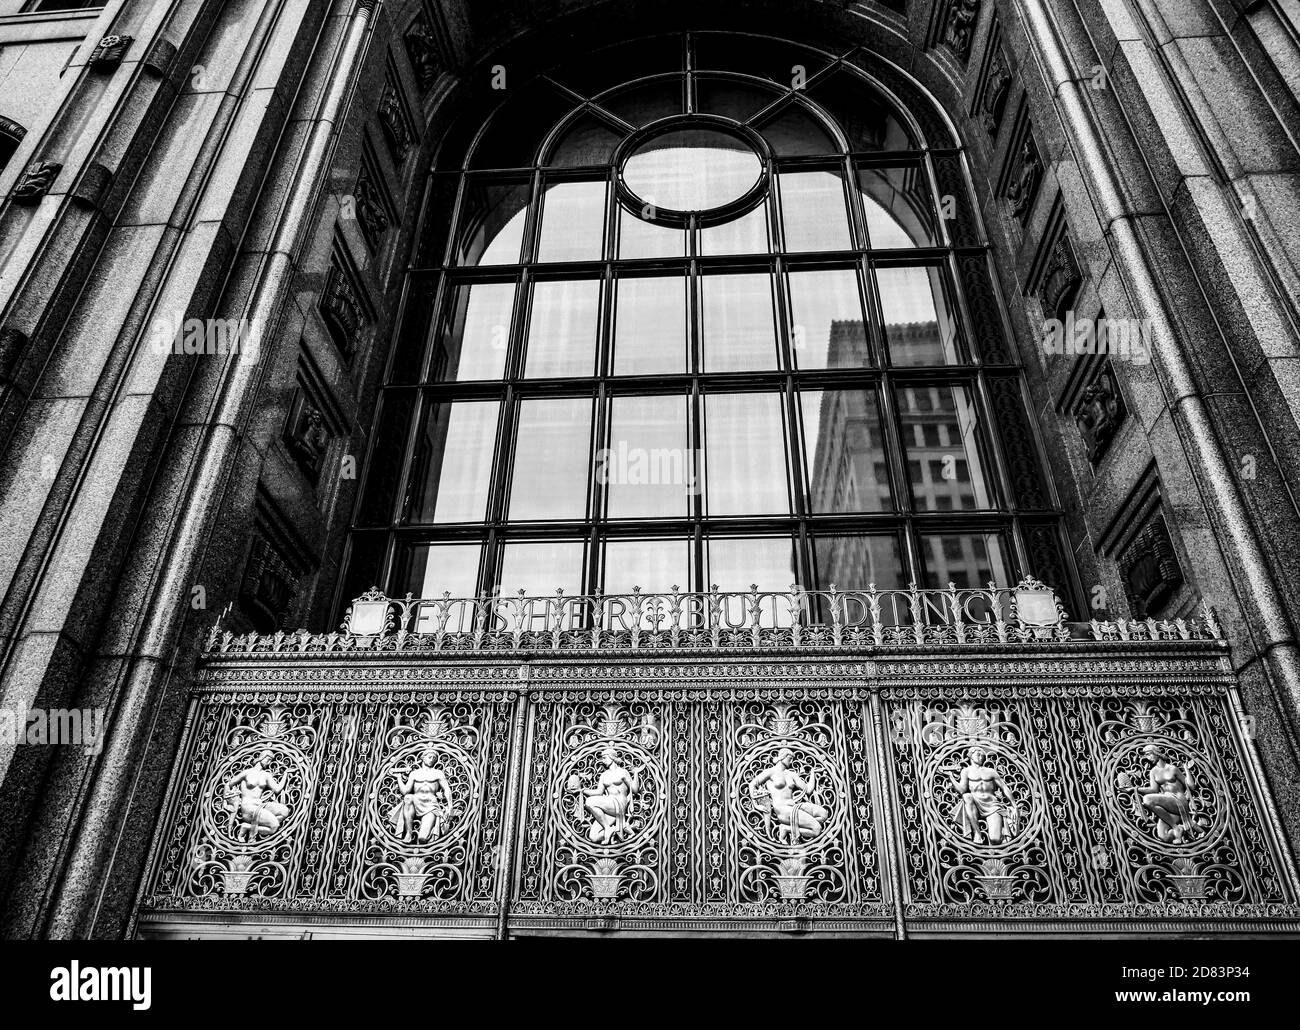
712 322
705 455
658 564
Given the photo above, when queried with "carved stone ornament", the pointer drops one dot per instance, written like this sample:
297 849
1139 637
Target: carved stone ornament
1023 186
997 89
35 182
1099 413
269 585
959 32
307 438
393 121
1061 278
340 304
12 129
1149 568
372 212
422 49
110 52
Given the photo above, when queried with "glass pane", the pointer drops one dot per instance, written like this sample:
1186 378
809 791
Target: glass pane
966 559
692 170
650 326
452 465
552 459
608 67
573 222
862 114
845 456
656 566
413 336
476 333
519 125
939 430
492 219
385 466
588 141
774 59
813 211
744 235
540 568
745 454
648 467
738 564
641 239
855 562
794 132
827 328
739 324
562 329
430 570
919 327
897 203
442 199
645 102
731 98
366 550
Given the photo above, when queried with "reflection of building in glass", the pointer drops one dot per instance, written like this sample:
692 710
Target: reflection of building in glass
850 467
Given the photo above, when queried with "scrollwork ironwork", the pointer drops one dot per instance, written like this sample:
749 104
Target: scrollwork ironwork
1095 784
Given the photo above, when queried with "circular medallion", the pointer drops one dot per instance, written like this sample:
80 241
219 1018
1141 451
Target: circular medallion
443 785
996 810
701 166
1167 790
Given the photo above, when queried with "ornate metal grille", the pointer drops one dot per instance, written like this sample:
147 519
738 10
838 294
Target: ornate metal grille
1044 778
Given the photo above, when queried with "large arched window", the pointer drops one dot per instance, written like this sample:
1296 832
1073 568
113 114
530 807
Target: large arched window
686 312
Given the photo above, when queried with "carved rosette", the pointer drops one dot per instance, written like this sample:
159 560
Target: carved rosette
109 52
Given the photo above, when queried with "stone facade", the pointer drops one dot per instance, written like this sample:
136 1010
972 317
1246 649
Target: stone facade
256 170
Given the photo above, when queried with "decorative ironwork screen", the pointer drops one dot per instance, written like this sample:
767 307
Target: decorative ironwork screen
1039 783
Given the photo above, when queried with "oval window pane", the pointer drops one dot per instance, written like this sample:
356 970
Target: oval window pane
692 170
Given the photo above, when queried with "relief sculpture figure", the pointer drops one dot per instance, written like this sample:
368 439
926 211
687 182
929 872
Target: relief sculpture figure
609 802
984 798
253 812
1168 796
796 818
426 802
